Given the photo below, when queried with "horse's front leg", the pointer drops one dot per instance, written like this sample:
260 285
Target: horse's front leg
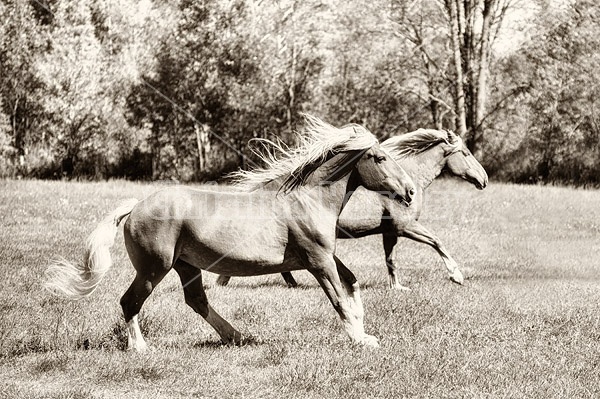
352 288
343 291
419 233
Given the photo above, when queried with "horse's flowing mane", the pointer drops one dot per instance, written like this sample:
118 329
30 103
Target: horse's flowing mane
317 141
419 141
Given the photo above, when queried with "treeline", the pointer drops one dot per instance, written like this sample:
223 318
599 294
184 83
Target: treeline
166 89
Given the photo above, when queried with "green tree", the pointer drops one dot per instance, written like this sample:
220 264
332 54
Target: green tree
290 38
22 39
424 60
74 78
193 98
474 24
552 127
390 67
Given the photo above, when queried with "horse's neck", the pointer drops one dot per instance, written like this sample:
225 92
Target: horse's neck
424 168
335 181
328 184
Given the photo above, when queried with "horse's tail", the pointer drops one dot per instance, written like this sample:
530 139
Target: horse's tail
77 280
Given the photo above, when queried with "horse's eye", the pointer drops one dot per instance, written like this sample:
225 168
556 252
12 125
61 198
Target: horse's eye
379 158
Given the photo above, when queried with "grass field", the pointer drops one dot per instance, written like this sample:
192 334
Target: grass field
525 324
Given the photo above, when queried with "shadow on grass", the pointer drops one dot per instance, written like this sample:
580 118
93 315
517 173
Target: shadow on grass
24 346
300 286
265 284
116 337
217 344
129 372
53 362
534 276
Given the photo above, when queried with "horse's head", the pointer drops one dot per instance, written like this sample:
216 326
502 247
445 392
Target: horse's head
460 162
378 171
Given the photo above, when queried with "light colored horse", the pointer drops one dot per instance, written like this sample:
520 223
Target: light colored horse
423 154
287 222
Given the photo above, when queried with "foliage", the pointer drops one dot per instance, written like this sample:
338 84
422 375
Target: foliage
22 38
201 65
555 116
474 26
175 89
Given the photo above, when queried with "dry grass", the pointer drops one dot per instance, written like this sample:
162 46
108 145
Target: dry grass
526 324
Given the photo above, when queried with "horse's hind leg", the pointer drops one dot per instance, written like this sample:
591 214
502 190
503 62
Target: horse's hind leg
223 280
389 241
132 302
195 297
289 279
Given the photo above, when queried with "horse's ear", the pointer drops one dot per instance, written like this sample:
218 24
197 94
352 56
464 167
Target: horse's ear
452 137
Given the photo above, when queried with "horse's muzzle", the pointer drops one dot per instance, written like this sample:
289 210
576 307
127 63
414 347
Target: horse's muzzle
408 196
479 181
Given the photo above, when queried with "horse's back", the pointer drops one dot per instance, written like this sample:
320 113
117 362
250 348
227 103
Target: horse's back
220 231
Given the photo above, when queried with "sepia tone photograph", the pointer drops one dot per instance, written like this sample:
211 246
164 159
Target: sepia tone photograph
299 199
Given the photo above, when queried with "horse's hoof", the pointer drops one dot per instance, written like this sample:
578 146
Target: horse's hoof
237 339
289 280
457 277
138 347
369 340
222 280
400 287
232 341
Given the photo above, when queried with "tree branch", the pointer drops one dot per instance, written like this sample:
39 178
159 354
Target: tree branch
514 92
429 98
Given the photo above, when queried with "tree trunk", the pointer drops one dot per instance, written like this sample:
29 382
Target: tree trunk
470 61
292 91
203 143
484 53
459 96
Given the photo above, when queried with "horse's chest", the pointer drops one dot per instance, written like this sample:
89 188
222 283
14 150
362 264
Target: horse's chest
415 211
402 215
314 232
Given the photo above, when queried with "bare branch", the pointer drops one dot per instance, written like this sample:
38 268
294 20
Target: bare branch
499 105
428 98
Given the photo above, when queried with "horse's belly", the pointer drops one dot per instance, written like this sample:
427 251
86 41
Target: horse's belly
237 248
235 265
239 267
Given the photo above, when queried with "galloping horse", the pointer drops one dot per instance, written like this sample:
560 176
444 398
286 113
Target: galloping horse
288 224
423 154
